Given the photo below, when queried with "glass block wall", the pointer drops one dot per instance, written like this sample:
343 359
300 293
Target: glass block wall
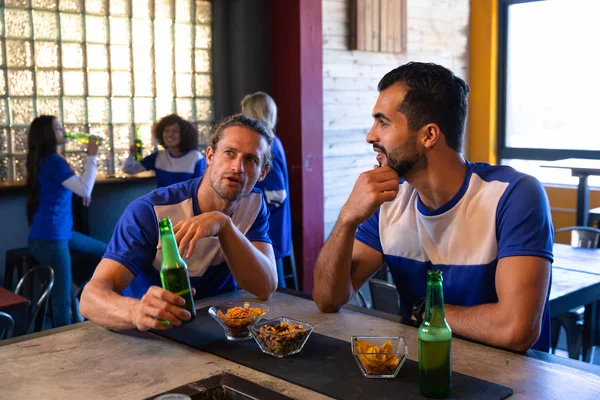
105 67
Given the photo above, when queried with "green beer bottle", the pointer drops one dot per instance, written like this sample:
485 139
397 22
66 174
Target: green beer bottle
435 343
138 145
173 270
83 137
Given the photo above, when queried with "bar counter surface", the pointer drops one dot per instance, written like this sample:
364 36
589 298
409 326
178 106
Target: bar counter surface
100 179
86 361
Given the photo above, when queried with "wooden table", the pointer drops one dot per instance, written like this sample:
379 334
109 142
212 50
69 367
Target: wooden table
87 361
581 168
576 259
16 306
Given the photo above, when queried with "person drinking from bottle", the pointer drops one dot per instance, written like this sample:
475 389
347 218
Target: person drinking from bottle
487 228
179 161
220 222
50 185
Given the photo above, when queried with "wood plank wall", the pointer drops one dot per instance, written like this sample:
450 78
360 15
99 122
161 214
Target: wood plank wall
436 31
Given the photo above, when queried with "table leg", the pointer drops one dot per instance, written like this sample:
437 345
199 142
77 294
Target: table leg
590 326
583 200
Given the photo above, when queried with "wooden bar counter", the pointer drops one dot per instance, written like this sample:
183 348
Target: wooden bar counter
86 361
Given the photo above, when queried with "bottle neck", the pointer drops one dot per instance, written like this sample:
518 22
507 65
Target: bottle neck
434 306
170 252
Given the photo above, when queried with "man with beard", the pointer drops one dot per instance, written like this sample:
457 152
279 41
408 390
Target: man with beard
210 216
487 228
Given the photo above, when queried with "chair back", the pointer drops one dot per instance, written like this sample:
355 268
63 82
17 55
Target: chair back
36 285
7 326
384 296
582 236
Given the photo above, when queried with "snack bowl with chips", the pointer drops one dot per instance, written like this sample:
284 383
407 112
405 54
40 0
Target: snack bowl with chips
379 356
281 337
236 316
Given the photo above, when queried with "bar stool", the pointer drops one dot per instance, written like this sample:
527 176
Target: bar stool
19 259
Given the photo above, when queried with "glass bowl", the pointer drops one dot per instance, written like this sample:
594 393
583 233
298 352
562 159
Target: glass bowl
281 337
379 356
236 316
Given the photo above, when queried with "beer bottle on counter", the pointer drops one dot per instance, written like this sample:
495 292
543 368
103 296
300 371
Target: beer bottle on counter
138 145
435 343
173 270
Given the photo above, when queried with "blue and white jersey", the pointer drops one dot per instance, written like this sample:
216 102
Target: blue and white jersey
170 169
498 212
276 190
136 237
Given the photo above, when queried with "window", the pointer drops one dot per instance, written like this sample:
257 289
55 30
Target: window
102 67
548 85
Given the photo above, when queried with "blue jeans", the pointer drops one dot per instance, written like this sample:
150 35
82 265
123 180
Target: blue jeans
55 253
280 274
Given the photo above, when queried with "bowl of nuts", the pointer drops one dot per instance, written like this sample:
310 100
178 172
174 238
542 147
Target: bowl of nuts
235 317
281 337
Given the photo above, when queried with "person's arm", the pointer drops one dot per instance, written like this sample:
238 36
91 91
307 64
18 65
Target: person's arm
131 166
344 263
525 237
515 321
83 186
102 303
251 264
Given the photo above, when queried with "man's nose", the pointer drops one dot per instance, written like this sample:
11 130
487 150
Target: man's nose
237 165
372 136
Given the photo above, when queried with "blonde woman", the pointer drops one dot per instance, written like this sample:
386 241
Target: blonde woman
275 186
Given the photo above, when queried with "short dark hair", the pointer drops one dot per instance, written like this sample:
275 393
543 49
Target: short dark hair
248 123
188 133
433 95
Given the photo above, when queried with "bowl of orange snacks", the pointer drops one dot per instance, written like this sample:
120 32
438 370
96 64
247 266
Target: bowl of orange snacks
281 337
235 317
379 356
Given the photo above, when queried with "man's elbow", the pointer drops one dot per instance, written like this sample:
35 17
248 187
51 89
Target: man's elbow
522 337
84 304
325 305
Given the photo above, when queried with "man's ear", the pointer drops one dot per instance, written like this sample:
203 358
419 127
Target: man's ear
209 155
431 135
264 173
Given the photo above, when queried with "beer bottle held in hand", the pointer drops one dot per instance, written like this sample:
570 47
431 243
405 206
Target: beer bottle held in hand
173 270
435 343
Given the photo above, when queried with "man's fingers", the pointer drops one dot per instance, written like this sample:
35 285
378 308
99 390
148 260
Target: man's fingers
165 295
387 186
192 245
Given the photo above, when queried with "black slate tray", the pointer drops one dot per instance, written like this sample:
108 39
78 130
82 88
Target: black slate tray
325 365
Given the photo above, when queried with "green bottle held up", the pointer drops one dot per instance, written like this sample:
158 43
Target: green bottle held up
435 343
138 145
83 137
173 270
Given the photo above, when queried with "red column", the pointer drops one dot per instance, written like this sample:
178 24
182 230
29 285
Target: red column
297 87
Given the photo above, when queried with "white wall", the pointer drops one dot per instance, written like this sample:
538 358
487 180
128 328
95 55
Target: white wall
437 32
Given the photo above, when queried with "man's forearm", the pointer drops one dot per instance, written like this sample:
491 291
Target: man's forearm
333 277
252 269
99 303
488 323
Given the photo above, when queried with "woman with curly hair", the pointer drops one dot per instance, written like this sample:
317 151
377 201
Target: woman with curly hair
179 161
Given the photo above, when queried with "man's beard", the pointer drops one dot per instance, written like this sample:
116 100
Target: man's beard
225 194
403 161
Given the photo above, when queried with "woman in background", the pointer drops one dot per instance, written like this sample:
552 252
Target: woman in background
179 161
50 185
275 186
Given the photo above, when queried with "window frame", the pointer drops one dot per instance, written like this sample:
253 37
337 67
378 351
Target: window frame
504 152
